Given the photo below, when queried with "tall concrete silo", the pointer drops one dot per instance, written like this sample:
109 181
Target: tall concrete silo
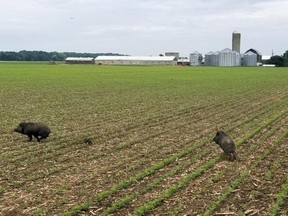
236 41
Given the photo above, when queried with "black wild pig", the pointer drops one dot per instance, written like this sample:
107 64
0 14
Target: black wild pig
226 143
38 130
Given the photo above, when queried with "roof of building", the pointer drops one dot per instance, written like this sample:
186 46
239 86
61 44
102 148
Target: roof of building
135 58
254 51
209 53
226 50
79 59
196 53
250 53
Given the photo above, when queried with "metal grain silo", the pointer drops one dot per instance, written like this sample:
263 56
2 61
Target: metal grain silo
237 58
250 59
226 57
208 58
215 58
196 59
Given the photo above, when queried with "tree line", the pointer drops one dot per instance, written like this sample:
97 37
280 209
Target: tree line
279 61
25 55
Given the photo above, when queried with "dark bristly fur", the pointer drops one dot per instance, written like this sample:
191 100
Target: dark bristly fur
226 143
38 130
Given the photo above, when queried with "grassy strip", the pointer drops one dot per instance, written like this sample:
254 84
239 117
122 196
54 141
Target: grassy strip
282 195
236 182
148 206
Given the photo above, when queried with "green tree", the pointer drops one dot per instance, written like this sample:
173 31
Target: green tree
276 60
285 59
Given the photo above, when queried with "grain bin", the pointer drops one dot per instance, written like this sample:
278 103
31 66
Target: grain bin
227 57
215 58
250 59
208 58
196 59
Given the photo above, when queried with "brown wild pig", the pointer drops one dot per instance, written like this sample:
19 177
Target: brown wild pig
226 143
38 130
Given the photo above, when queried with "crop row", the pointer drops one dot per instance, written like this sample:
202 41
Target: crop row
154 120
244 173
192 175
125 182
281 196
208 164
211 182
156 128
38 159
191 160
53 148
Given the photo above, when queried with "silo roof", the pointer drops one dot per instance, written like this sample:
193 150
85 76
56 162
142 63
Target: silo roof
250 53
209 53
196 53
254 51
226 50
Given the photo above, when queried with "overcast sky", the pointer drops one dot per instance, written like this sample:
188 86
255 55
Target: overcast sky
143 27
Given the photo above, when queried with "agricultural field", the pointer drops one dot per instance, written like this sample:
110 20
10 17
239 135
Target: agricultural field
151 130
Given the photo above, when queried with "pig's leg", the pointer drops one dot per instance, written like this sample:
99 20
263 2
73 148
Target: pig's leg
38 138
30 137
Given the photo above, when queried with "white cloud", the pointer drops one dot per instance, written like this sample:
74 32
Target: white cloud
127 26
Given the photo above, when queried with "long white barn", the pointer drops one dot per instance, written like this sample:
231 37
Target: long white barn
79 60
136 60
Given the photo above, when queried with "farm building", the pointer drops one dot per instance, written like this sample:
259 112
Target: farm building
259 55
184 61
250 59
226 57
175 54
79 60
136 60
208 58
236 41
196 59
214 58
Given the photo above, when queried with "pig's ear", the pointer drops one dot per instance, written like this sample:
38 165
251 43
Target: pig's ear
22 126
